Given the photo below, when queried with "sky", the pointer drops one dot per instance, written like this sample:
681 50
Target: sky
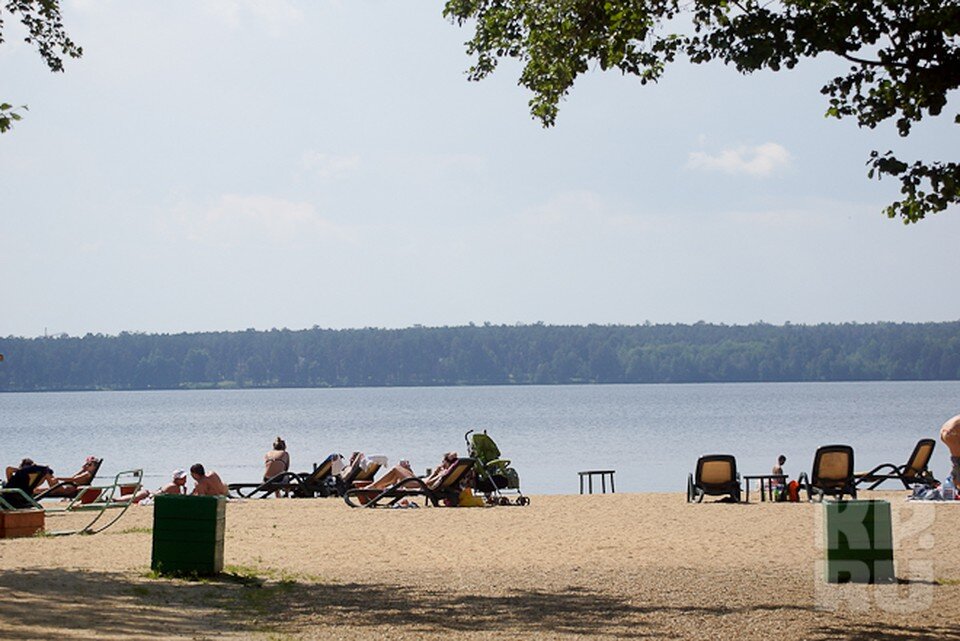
234 164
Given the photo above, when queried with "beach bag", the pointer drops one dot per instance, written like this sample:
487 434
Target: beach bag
793 492
467 499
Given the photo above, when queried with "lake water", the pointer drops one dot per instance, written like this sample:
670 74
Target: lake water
650 434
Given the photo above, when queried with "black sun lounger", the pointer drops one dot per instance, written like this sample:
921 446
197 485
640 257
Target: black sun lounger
912 472
446 492
832 473
306 485
716 475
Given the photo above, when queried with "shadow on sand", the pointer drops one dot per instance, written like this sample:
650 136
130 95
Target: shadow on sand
886 632
78 604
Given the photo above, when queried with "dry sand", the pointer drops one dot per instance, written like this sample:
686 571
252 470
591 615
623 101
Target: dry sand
566 567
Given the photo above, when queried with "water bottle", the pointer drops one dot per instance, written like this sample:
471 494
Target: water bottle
948 490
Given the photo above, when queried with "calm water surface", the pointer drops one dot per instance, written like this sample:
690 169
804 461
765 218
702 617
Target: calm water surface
650 434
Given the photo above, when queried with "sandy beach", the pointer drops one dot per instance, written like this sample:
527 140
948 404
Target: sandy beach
565 567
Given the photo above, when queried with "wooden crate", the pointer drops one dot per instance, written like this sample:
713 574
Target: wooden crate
18 523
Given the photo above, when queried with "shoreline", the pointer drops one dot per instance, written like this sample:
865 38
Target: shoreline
565 567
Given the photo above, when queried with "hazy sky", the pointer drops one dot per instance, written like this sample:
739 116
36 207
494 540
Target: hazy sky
233 164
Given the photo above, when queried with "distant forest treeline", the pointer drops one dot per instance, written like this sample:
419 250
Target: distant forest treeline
484 355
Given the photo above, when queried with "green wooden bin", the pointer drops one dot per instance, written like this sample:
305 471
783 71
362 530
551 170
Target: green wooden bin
188 534
858 542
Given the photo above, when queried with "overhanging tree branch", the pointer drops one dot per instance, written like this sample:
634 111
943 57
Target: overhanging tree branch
46 32
922 60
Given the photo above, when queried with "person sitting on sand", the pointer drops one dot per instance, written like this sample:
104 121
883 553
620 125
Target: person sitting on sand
950 435
67 485
277 460
178 485
207 483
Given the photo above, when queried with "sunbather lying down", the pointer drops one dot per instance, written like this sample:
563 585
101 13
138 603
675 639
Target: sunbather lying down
360 462
397 473
404 471
67 485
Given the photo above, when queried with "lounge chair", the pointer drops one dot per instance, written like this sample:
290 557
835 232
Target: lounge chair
359 477
716 475
832 473
96 501
68 489
446 491
319 482
13 498
91 500
912 472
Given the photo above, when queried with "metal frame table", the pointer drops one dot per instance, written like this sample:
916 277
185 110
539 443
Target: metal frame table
764 479
603 474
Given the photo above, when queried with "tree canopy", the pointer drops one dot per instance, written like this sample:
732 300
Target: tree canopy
904 55
46 32
484 355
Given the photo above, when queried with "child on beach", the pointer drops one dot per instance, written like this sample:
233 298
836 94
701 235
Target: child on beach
778 468
778 484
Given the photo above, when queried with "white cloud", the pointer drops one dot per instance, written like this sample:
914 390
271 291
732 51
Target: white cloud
761 160
432 167
330 166
276 15
238 219
579 215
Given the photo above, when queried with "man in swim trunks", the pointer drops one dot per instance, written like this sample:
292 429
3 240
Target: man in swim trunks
207 483
950 435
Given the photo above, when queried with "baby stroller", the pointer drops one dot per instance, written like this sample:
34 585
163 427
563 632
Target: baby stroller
493 474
